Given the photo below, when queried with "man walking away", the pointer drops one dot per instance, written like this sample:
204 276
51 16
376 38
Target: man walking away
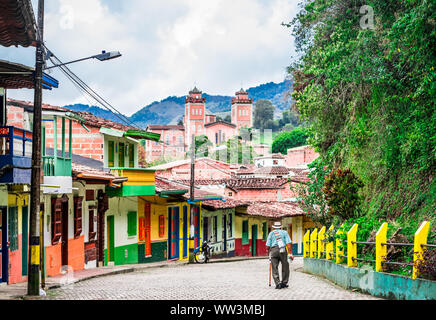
276 244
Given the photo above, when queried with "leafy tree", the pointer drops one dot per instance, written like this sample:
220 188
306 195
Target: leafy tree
369 94
228 118
289 139
263 112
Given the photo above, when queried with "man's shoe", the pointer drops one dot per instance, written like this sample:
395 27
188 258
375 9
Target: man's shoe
283 285
279 286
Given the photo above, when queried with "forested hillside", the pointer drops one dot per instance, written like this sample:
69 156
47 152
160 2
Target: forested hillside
369 92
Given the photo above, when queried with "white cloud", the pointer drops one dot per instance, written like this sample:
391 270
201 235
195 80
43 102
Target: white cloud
167 46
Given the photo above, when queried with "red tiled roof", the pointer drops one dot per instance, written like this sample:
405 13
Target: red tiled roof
99 122
256 183
274 209
242 183
88 172
273 170
220 122
28 104
17 23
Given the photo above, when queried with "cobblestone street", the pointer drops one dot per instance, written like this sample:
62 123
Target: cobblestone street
241 280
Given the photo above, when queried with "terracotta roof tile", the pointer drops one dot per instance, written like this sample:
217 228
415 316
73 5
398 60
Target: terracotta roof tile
273 170
274 209
17 23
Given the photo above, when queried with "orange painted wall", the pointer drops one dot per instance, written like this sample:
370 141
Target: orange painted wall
53 260
15 263
76 253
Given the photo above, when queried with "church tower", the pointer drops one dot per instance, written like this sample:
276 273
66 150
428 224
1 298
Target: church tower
242 110
195 115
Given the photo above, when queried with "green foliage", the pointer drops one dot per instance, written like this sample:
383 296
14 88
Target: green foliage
311 196
341 190
369 95
290 139
202 145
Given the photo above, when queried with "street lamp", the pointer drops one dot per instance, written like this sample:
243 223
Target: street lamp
103 56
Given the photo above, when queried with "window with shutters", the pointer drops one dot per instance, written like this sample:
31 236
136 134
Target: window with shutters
121 154
13 228
131 223
56 220
111 154
161 226
245 232
92 232
77 216
131 155
230 224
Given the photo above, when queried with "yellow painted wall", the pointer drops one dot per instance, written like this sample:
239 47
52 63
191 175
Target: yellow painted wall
159 206
251 221
19 200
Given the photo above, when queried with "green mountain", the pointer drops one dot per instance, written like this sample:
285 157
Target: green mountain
171 109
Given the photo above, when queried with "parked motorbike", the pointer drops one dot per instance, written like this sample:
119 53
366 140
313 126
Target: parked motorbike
203 252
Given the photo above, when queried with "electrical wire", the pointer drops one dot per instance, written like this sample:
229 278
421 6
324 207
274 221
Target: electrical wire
84 88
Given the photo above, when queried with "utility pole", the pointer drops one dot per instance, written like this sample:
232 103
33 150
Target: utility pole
33 281
191 191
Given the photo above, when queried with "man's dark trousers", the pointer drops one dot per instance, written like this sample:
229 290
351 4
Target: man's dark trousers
277 257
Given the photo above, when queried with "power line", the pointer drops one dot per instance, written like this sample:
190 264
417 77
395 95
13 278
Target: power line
82 86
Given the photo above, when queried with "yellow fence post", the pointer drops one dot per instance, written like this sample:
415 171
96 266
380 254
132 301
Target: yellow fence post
306 244
352 246
339 251
380 249
418 250
313 241
321 243
329 245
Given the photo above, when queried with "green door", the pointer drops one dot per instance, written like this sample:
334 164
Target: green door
25 252
110 239
254 239
121 154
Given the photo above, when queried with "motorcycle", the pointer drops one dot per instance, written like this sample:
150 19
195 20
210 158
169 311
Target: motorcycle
203 252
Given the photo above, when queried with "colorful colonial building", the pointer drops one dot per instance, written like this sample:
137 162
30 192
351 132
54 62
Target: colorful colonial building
198 120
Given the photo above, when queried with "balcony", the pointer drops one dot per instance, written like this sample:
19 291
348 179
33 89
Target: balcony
15 155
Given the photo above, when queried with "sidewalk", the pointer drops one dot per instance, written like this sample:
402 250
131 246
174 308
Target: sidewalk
18 291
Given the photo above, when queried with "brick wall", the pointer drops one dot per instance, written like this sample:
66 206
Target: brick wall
300 155
87 144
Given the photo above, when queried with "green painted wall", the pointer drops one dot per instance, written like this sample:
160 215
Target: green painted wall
375 283
120 254
158 250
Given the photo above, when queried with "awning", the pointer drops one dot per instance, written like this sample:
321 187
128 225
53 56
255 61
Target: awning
18 76
141 134
112 132
17 23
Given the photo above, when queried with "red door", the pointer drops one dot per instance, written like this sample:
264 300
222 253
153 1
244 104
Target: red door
144 229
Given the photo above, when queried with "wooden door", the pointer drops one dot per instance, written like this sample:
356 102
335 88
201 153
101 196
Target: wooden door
64 237
185 231
173 230
110 239
224 228
254 239
196 226
3 247
147 229
25 240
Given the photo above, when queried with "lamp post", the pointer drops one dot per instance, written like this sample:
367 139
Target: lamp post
33 282
103 56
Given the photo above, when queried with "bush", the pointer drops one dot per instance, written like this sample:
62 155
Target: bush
341 189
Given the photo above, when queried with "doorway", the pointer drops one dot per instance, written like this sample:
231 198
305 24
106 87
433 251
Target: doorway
224 228
25 228
173 232
146 226
3 247
110 238
254 240
64 245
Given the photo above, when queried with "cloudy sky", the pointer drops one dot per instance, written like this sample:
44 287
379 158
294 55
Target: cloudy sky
168 46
